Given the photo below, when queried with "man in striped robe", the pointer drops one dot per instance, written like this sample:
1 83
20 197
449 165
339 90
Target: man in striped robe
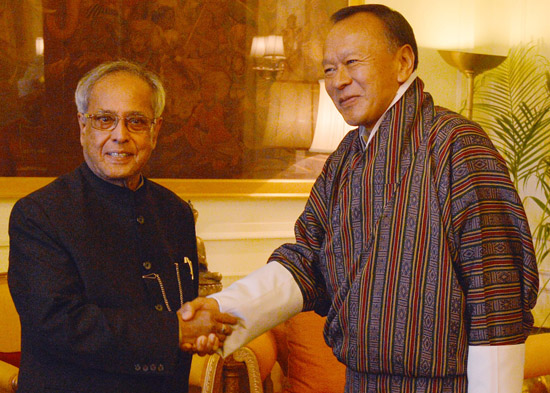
413 242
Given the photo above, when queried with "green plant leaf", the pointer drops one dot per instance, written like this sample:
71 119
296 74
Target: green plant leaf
513 105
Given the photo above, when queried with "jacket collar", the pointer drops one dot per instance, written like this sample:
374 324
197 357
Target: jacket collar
107 188
366 135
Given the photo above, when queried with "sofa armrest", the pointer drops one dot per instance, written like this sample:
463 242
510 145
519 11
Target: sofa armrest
247 356
214 374
264 349
537 358
8 377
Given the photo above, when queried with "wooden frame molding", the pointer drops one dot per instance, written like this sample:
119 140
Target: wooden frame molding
18 187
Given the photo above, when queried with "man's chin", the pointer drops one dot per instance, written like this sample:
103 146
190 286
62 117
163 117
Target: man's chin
350 117
352 121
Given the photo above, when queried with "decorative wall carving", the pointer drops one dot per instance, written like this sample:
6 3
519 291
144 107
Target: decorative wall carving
216 107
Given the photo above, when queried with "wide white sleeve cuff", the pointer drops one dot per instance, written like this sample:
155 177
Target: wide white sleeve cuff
495 369
261 301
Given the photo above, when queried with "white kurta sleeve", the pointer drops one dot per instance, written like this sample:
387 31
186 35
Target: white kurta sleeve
261 301
495 369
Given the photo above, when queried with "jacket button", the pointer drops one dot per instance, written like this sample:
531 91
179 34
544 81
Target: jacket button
160 367
145 368
147 265
137 367
159 307
140 219
153 367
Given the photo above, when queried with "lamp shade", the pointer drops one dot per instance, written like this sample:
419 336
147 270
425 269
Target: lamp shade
39 43
274 46
290 115
258 47
330 127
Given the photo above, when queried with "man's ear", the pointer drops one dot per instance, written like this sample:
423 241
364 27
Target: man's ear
405 58
155 131
82 124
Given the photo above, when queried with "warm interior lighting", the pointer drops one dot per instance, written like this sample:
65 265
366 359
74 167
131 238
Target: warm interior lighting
466 25
39 43
269 55
330 126
258 47
270 46
290 115
274 46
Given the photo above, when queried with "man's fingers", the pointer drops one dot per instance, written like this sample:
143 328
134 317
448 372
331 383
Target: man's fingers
204 345
203 326
187 311
201 344
224 330
226 318
213 342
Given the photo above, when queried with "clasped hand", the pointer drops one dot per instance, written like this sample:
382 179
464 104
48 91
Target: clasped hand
203 328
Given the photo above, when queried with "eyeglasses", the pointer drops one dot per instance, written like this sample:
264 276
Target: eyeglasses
108 122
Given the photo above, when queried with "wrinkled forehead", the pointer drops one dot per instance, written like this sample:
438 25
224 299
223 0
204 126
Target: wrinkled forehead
122 92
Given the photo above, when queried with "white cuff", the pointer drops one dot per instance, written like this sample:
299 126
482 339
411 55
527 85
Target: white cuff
261 301
495 369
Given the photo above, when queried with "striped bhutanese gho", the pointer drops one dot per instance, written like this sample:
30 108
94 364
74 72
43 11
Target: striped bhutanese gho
415 247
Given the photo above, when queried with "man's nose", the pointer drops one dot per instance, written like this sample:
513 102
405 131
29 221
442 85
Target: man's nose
342 78
120 133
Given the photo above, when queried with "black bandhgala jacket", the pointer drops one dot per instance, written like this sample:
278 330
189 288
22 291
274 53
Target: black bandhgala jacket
94 271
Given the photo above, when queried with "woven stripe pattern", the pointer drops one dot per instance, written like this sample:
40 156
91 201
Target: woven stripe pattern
415 247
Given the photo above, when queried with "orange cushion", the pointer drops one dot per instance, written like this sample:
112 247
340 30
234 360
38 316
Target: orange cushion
10 328
537 355
13 358
265 349
312 368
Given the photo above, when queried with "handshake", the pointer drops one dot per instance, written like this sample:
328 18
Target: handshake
202 327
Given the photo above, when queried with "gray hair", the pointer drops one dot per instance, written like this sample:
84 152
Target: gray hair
87 82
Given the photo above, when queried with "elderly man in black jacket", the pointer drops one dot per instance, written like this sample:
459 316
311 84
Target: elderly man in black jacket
102 258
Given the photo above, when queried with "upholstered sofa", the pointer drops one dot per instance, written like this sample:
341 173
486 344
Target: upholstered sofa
290 358
10 339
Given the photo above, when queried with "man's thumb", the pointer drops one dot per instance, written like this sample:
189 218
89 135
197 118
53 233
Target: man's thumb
188 310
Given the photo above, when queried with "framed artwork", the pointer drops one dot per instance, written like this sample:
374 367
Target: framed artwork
226 117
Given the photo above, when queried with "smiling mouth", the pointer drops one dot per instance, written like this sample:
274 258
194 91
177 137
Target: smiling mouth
119 154
347 101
